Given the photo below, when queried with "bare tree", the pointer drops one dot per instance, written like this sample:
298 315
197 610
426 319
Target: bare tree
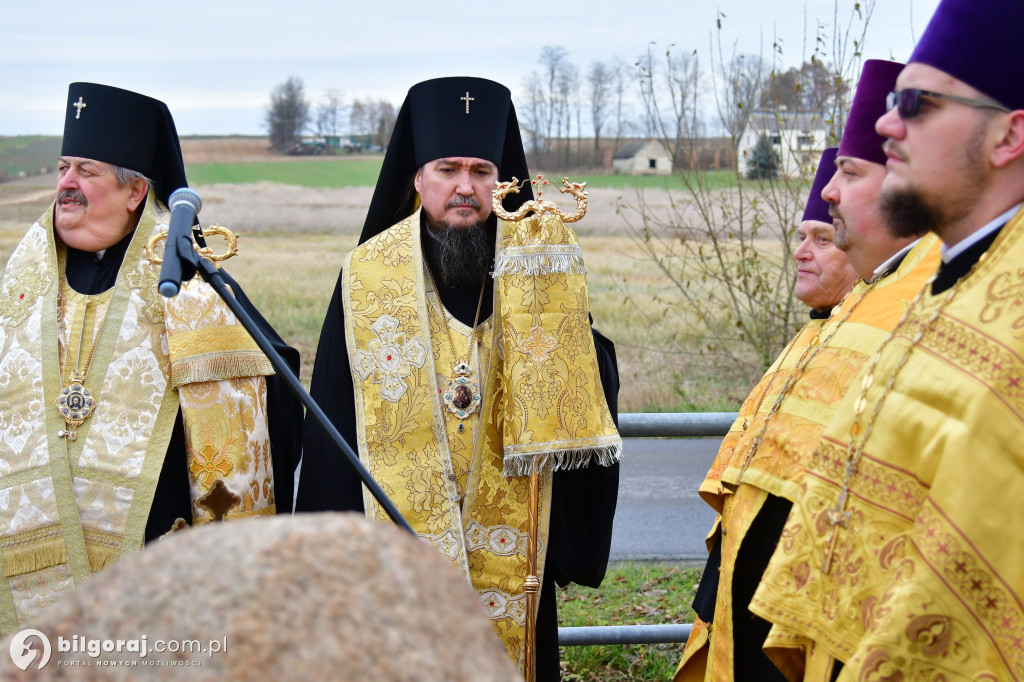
599 80
330 113
534 113
383 120
373 121
738 84
552 101
553 59
668 90
569 104
728 251
358 122
621 79
288 114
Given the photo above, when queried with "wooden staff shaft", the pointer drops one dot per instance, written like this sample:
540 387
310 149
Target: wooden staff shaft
532 585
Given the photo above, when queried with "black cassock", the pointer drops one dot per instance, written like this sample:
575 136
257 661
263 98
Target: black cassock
87 274
582 500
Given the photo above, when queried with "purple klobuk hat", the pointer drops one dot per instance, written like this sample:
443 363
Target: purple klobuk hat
817 208
860 140
978 42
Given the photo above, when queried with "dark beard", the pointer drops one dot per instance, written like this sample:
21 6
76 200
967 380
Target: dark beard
459 256
908 214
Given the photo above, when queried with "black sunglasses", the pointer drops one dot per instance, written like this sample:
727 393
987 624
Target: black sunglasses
908 102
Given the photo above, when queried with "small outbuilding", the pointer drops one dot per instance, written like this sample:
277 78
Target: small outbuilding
642 157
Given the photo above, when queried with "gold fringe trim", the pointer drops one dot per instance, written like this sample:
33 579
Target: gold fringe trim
102 547
100 557
217 339
219 366
525 464
37 549
34 557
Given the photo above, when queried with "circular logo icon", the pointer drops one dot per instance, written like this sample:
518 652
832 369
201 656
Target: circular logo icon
24 649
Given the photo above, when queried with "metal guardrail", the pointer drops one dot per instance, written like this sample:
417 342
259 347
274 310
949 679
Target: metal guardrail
650 425
623 634
674 424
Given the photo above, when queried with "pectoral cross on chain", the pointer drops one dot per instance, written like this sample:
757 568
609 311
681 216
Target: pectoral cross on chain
467 99
79 105
836 517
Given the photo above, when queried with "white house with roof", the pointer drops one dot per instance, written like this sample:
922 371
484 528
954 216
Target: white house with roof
642 157
798 138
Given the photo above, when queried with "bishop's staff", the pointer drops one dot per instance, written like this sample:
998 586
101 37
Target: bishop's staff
554 412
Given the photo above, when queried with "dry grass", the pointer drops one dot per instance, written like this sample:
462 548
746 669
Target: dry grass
226 149
294 241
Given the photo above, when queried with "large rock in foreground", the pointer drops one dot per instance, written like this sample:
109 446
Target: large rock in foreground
310 597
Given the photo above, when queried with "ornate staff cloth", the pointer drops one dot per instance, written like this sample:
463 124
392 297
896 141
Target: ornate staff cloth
555 414
71 507
763 456
448 482
927 572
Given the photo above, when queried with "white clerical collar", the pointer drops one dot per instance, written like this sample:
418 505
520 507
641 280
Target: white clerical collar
99 254
951 252
883 269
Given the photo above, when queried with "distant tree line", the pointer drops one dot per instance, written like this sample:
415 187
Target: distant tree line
652 95
363 123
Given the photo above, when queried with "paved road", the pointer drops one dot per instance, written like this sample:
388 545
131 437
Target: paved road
659 515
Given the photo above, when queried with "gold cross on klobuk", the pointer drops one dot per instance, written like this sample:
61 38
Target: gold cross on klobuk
79 105
467 99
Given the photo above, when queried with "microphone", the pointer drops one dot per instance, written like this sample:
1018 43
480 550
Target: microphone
180 258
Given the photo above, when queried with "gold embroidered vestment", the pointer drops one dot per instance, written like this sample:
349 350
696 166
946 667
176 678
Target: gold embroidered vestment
927 573
71 507
449 483
769 445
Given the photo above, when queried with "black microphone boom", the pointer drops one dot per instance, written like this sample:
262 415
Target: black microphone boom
180 257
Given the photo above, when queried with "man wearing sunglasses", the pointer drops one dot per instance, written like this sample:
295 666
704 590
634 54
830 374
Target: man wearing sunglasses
908 530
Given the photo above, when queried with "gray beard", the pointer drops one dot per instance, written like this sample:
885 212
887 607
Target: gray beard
459 256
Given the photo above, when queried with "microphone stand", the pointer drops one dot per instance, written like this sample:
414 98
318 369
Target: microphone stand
212 275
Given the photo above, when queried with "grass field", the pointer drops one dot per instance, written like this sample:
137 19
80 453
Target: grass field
325 172
30 153
27 155
363 172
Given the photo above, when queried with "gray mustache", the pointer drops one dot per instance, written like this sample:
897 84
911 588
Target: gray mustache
458 201
74 195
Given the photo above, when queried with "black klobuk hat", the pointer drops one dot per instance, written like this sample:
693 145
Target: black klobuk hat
447 117
125 129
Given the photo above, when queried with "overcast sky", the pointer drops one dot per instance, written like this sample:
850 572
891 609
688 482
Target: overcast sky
214 62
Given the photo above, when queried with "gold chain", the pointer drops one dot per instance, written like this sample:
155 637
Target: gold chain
838 516
771 380
809 353
445 319
75 401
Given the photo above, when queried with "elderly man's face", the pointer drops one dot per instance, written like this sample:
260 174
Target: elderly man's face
852 194
456 191
824 274
936 161
93 212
